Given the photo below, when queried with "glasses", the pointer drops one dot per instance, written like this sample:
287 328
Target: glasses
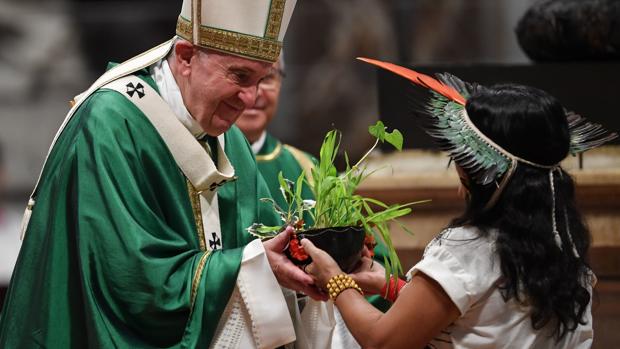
272 80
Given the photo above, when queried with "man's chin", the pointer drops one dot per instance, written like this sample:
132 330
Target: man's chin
220 125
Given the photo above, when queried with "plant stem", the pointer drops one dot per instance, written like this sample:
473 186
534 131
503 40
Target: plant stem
363 157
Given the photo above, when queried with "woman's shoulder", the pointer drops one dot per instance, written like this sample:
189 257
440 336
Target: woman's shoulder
464 262
464 237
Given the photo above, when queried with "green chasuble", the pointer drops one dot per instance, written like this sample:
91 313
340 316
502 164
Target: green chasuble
112 257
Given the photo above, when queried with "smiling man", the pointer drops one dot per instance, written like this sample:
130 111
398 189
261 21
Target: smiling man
272 156
135 235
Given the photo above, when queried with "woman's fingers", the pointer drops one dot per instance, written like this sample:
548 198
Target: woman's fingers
309 247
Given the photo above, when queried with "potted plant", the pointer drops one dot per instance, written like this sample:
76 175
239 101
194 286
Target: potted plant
343 221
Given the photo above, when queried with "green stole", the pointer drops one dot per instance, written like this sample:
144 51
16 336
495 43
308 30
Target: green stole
112 257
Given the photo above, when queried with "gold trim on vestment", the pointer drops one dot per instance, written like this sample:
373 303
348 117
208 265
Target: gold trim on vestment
274 154
198 276
276 12
250 46
194 198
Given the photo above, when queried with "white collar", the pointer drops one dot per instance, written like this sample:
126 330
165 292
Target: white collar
170 92
256 146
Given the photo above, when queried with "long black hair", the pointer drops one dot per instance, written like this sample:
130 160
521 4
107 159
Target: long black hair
532 125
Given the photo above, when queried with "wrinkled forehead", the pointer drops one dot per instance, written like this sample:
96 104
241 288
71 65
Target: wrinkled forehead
234 62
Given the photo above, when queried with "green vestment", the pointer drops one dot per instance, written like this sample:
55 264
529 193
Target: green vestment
112 256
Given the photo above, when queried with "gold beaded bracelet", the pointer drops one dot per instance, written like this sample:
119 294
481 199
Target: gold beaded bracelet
339 283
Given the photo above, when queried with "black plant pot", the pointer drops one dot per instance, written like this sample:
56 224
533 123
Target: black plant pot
343 244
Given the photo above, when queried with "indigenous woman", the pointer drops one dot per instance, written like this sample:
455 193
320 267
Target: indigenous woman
512 270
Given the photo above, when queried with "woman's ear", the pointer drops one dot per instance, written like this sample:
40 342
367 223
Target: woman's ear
463 190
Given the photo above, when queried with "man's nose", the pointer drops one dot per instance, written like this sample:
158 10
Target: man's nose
248 95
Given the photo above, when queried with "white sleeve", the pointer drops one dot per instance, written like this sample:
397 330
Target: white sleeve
256 315
442 267
464 266
272 325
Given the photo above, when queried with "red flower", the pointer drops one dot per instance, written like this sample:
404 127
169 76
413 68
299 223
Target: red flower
370 242
297 251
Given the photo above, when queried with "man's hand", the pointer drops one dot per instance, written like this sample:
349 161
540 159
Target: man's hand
287 273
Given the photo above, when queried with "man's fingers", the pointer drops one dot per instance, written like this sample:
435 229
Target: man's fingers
364 265
367 261
315 293
279 242
366 252
291 272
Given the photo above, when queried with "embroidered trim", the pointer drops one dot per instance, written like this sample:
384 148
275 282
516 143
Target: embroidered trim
198 276
276 12
194 198
274 154
254 47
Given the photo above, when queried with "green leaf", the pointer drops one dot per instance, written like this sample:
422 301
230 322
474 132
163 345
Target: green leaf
395 138
377 130
262 231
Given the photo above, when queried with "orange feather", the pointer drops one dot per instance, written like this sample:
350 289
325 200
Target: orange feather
419 79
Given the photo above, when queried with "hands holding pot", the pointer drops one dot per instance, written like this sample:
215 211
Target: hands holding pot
368 275
287 273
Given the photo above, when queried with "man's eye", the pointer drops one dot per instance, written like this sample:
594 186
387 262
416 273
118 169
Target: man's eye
241 77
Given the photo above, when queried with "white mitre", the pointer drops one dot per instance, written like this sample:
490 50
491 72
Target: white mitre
249 28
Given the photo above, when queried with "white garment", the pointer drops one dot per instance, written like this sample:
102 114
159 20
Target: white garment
10 243
468 269
256 146
342 336
256 315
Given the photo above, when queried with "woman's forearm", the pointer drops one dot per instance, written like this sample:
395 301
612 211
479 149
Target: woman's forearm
420 312
361 318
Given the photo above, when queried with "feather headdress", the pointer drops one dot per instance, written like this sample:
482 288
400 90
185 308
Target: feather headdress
471 149
484 160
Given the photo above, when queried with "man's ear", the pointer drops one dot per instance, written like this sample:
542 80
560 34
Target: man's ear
183 54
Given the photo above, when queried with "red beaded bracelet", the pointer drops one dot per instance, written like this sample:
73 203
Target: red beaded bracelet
395 285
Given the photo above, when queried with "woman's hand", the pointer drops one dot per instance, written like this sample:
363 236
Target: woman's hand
323 266
288 274
369 275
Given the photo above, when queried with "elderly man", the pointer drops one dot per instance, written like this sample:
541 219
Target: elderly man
273 157
135 233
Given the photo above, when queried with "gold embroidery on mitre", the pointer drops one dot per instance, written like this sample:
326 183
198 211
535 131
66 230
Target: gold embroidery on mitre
254 47
194 198
274 154
276 12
